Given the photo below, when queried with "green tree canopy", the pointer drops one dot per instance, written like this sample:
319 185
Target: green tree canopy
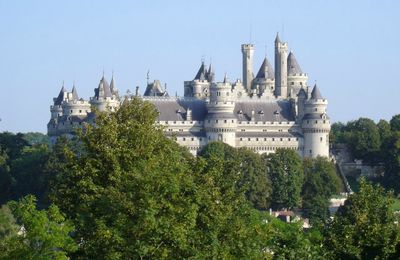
44 234
364 227
286 174
395 123
321 182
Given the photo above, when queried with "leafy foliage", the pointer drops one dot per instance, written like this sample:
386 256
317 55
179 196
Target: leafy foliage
364 227
43 235
321 182
286 173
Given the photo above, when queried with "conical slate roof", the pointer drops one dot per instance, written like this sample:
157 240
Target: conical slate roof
210 73
266 71
292 66
316 94
74 93
155 90
103 90
113 87
202 73
60 97
277 38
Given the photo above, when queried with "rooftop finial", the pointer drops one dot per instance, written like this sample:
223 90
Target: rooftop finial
148 76
103 73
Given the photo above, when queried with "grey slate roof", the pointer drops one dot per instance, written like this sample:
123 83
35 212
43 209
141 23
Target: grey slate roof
202 73
113 88
302 92
314 116
155 90
292 66
103 90
210 74
316 94
60 96
266 71
172 109
277 38
280 110
74 93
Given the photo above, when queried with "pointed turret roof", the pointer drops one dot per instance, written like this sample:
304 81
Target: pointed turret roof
293 66
74 93
202 73
61 96
103 90
316 94
266 71
302 93
113 87
226 79
277 38
210 73
154 89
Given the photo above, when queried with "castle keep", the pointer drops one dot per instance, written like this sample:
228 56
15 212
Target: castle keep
275 109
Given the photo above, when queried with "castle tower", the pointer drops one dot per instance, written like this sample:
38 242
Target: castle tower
316 126
296 79
104 99
265 79
74 106
56 109
281 49
199 87
220 123
247 51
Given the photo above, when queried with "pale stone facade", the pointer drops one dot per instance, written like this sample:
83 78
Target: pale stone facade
270 111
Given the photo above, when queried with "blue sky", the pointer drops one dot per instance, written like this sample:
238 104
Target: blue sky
350 48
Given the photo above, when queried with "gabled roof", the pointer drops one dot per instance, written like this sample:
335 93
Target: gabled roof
266 71
316 94
292 66
155 90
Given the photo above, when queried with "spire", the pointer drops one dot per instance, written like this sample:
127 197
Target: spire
293 66
266 71
277 38
113 88
210 73
226 80
201 74
103 90
74 93
61 95
315 94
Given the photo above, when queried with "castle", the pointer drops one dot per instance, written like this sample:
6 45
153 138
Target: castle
263 113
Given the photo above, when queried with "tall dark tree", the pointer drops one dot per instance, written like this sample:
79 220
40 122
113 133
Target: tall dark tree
364 227
286 173
321 182
395 123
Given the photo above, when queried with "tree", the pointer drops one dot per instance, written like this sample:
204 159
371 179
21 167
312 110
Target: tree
363 139
364 227
255 176
391 178
44 234
8 226
336 134
321 182
395 123
286 174
129 190
35 138
227 226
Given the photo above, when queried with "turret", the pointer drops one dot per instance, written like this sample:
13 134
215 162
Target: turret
247 51
104 99
56 109
199 87
281 49
296 79
74 106
316 126
220 123
265 79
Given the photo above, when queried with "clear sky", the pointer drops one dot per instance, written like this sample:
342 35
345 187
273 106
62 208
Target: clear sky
350 48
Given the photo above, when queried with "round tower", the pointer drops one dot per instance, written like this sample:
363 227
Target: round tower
296 79
281 48
247 51
104 99
316 126
74 106
220 123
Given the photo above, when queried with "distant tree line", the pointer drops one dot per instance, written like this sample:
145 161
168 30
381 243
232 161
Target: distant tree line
374 144
122 190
